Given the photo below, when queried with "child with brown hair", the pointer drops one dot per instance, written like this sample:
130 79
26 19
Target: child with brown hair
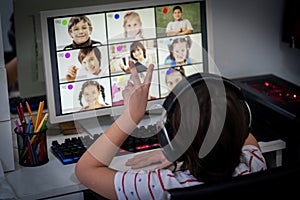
80 28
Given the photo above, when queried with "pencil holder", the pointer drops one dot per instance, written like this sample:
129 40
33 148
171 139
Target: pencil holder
32 148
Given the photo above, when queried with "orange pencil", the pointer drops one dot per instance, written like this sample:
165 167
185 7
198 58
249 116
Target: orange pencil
30 112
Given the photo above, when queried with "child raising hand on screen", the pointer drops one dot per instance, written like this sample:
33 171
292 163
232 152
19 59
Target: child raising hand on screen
90 59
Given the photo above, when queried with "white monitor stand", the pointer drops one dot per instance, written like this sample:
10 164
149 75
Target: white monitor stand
6 145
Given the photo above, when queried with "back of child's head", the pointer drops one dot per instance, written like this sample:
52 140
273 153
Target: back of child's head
76 19
230 129
85 51
187 40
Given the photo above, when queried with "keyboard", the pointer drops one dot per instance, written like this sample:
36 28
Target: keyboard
33 102
143 138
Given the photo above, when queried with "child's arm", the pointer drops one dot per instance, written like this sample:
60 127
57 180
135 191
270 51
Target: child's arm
251 140
173 32
185 31
92 168
127 70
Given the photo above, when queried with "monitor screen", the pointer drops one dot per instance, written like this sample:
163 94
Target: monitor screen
87 51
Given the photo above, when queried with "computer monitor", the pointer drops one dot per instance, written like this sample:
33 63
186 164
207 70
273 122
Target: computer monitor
71 63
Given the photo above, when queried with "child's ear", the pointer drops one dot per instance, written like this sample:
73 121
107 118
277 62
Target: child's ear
91 29
70 33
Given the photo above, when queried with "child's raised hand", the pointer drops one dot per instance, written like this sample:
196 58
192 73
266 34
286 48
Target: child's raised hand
136 93
72 73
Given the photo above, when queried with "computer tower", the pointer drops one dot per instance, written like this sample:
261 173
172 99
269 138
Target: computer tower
275 107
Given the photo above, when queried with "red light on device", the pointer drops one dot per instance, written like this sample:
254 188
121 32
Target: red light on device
267 84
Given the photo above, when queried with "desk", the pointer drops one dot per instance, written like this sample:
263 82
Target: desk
57 181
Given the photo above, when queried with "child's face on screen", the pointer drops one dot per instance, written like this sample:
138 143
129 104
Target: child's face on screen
138 54
91 63
180 51
132 27
177 14
80 32
91 94
173 78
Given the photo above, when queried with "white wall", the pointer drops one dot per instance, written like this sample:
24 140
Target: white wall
247 39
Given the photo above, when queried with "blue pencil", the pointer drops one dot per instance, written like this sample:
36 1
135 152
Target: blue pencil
28 126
